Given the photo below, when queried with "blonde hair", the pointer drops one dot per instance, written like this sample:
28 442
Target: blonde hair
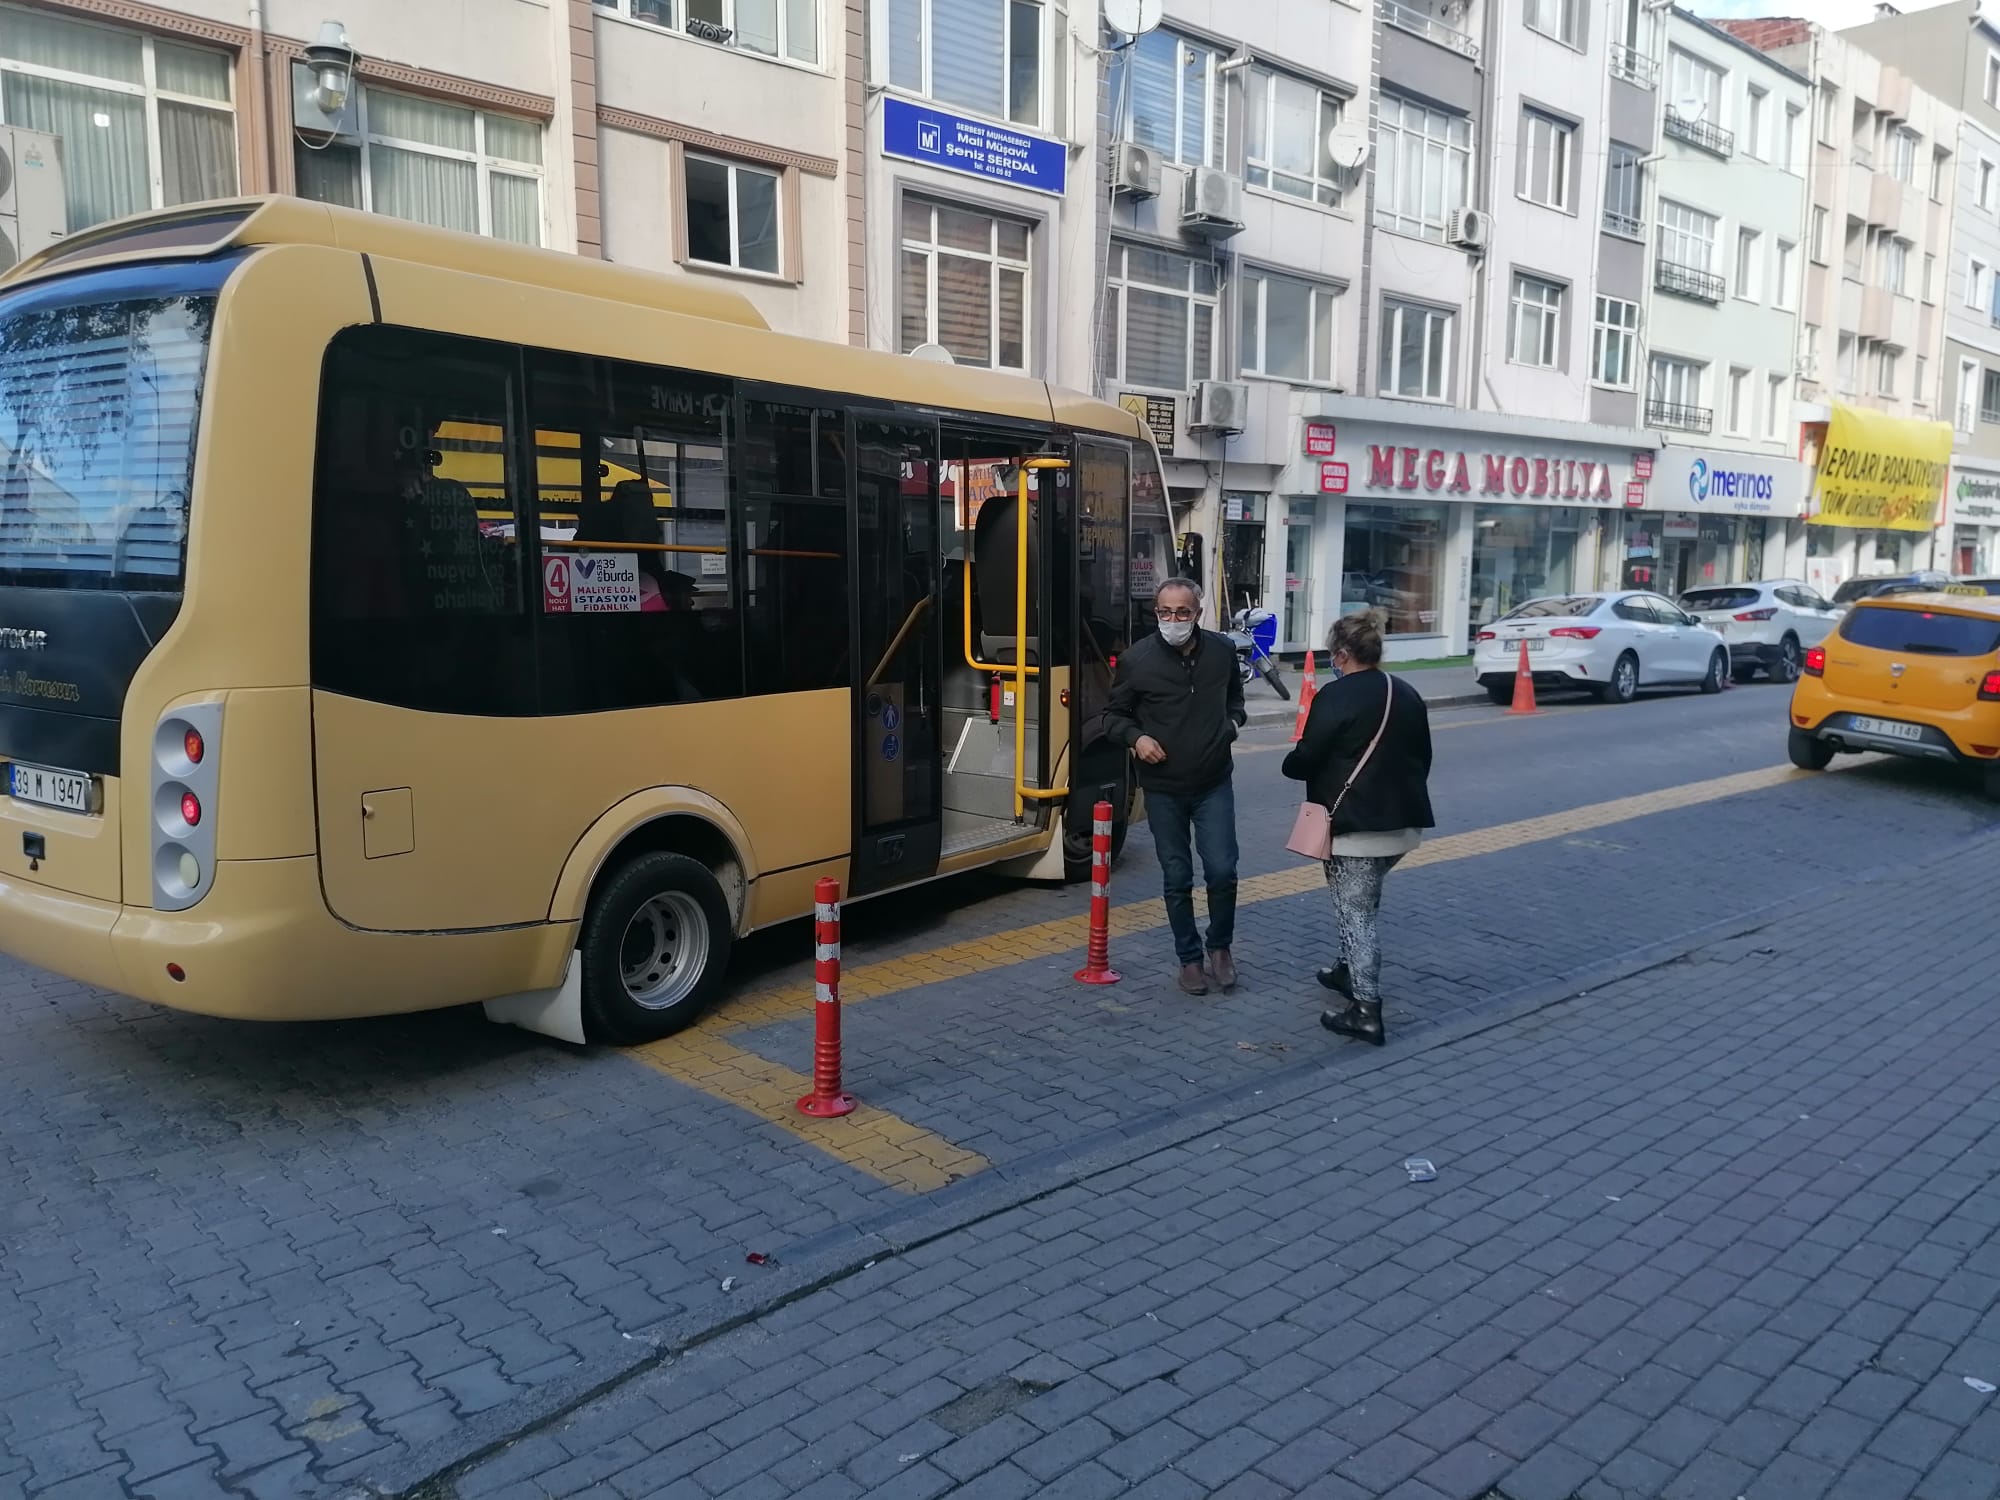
1359 635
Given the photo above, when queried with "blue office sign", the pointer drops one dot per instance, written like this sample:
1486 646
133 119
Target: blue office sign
938 138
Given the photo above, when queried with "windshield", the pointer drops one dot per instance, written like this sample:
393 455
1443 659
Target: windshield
1570 607
1921 632
100 398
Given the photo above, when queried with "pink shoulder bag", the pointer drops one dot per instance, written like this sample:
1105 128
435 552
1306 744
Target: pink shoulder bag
1312 830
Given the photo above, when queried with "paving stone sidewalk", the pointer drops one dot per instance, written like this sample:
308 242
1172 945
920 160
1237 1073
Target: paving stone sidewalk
1725 1228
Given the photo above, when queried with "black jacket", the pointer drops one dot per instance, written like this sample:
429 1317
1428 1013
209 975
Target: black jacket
1190 701
1393 791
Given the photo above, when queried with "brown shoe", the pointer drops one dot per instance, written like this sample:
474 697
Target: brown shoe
1223 968
1193 980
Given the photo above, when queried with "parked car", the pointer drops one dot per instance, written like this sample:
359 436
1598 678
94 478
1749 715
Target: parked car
1768 625
1857 589
1611 644
1909 674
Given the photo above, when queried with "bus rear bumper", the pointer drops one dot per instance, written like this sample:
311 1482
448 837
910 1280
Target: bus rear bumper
261 946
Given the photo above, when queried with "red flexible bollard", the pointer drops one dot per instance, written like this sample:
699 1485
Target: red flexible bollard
1097 960
826 1101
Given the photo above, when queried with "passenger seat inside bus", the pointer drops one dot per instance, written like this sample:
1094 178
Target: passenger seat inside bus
995 555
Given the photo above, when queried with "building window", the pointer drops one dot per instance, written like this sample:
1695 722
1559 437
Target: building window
767 27
1545 159
1614 343
1784 274
1789 157
1687 236
420 159
732 215
1286 151
1555 18
1894 260
1422 163
964 285
1674 394
1846 362
1416 351
1774 407
1976 284
1989 397
1393 559
1829 114
1736 414
1759 102
1809 354
1922 390
981 55
1968 392
1903 154
1175 103
1625 191
1694 88
1288 328
1938 161
1930 278
1885 370
1993 78
1749 248
1535 322
1159 312
1986 184
115 99
1819 236
1853 251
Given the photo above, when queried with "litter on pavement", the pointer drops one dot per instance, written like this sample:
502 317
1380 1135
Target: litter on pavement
1420 1170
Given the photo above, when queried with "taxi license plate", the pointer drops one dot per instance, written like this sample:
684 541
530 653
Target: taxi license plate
61 789
1888 727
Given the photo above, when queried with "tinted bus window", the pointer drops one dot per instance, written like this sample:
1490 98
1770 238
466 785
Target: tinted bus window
416 582
638 599
792 528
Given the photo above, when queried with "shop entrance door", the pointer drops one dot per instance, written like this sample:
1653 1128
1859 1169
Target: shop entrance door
1298 580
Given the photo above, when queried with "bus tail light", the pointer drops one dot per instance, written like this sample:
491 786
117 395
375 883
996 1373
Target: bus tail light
1815 662
187 754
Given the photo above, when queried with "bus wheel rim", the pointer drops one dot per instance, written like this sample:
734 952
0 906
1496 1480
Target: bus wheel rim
665 950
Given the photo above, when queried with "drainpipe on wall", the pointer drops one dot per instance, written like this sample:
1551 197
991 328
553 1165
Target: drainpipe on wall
1482 270
264 160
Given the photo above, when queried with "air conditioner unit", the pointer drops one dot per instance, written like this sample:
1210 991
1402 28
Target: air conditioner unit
1212 204
1468 227
1219 406
1135 171
34 214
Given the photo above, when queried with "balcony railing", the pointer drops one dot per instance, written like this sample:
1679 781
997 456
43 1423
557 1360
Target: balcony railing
1680 418
1419 22
1700 133
1632 65
1686 281
1625 224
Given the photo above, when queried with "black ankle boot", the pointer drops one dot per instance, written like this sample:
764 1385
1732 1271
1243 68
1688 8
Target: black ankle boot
1337 980
1362 1022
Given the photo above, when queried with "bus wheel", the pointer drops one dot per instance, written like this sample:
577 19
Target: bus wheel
655 946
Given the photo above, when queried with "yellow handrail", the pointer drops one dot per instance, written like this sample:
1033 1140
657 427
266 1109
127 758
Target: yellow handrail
1023 793
970 660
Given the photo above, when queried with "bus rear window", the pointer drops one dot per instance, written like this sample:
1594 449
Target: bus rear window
1917 632
99 402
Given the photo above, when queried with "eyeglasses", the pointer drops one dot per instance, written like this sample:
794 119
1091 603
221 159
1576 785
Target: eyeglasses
1174 614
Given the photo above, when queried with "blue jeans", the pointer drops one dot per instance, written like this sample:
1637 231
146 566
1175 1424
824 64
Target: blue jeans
1211 818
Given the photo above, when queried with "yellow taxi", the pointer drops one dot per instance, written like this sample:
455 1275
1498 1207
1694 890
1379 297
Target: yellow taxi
1906 674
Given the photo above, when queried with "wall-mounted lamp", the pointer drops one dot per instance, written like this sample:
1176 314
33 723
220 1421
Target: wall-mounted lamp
1236 63
332 59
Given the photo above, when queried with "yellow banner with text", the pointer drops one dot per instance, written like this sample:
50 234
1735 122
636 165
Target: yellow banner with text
1880 472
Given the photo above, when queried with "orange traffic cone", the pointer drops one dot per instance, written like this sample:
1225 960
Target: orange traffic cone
1524 686
1306 691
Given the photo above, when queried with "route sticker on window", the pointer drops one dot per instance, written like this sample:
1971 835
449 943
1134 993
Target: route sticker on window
591 583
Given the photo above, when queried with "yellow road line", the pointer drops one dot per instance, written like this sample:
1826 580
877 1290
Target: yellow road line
905 1156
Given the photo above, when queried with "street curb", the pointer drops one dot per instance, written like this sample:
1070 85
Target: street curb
810 1265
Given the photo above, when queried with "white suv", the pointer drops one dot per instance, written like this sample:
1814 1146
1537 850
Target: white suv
1769 625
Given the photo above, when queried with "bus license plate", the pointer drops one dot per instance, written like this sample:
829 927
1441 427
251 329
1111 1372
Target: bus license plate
63 789
1888 727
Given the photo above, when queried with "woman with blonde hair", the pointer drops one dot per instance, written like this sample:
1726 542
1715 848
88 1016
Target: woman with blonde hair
1366 757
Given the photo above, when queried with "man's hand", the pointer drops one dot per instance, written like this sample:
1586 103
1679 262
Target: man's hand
1150 750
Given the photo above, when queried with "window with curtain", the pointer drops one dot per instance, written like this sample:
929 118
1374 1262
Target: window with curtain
1614 343
1535 322
987 56
964 284
1170 96
1423 161
1286 146
1546 143
111 97
1287 327
769 28
422 159
1159 319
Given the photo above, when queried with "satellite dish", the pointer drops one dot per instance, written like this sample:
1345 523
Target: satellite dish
1691 109
1133 17
1347 145
934 354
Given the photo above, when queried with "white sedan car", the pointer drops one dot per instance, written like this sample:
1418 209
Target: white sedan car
1770 625
1611 644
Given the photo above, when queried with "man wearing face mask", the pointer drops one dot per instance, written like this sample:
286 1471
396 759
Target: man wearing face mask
1177 702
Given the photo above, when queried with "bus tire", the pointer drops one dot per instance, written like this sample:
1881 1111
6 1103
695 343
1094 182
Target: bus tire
655 947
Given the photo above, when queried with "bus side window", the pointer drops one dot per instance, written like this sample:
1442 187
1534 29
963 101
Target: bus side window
416 582
792 478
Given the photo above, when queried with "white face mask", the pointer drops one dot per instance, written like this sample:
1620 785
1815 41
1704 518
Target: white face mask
1176 632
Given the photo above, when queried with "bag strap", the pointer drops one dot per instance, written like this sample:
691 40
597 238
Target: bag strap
1388 700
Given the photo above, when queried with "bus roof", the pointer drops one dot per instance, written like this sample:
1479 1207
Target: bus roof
201 229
